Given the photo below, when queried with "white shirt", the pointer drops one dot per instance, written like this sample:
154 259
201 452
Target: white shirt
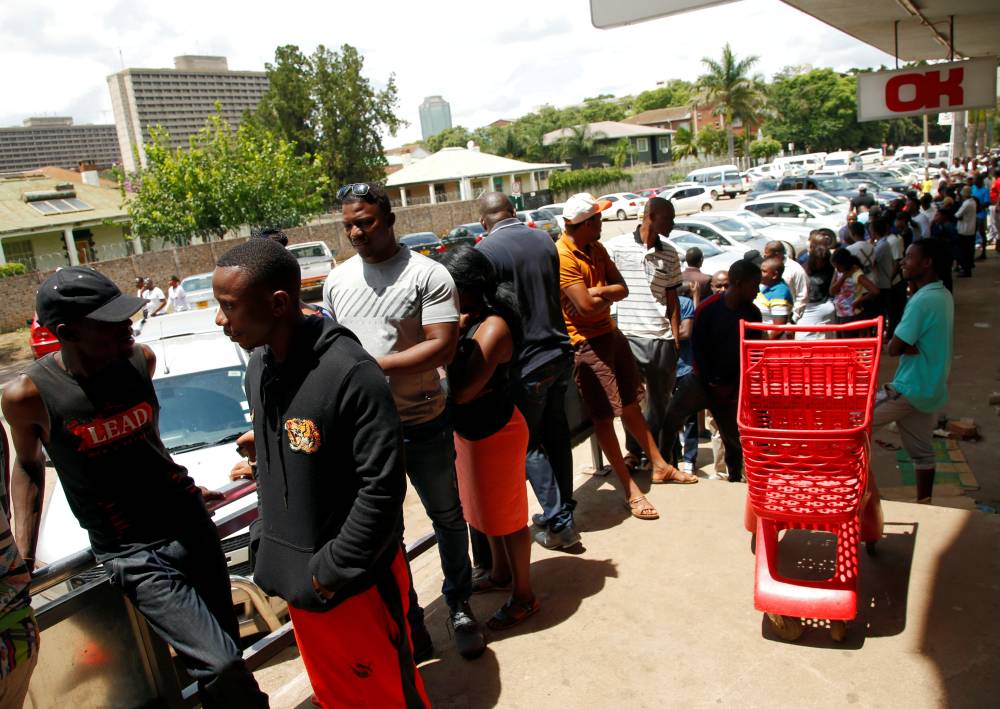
648 273
178 298
155 297
923 222
798 282
966 216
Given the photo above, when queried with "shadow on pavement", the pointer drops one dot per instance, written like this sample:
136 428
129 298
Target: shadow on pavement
883 587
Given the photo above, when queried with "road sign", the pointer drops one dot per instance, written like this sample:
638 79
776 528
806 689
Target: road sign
952 86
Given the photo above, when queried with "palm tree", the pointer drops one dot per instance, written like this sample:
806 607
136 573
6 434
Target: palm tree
684 144
729 87
579 143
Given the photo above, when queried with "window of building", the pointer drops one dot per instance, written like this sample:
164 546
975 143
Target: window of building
19 252
663 145
642 145
59 206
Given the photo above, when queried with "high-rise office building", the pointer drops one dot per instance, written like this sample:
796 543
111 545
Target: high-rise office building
179 100
55 141
435 116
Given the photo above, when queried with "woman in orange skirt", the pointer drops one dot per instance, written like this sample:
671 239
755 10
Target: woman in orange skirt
491 436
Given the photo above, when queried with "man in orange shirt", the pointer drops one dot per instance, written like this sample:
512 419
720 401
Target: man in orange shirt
605 369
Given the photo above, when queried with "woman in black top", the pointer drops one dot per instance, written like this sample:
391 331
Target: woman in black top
491 436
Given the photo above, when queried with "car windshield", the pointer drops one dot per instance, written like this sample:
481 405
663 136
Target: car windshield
834 183
755 221
541 215
307 252
765 185
197 283
472 227
629 195
202 409
837 161
418 240
734 229
817 207
708 250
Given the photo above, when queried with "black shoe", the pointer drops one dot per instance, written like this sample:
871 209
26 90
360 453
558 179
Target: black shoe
423 646
550 539
540 520
469 637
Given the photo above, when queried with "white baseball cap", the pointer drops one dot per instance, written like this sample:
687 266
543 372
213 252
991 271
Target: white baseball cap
581 207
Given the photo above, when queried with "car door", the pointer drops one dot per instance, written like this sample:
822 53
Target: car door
787 213
682 201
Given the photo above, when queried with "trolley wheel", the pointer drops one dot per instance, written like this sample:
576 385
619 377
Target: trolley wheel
838 630
753 543
871 548
785 626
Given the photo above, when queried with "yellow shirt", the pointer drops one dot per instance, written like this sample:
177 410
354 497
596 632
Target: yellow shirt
589 267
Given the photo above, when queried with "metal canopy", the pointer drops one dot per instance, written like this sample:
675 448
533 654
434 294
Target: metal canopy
923 28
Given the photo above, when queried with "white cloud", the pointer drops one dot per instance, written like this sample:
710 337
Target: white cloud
488 61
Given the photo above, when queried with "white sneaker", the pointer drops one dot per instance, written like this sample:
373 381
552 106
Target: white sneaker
686 467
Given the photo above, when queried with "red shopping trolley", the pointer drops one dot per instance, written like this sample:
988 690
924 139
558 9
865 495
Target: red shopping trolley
805 412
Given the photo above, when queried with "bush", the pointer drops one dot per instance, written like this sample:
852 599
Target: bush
12 269
579 180
764 149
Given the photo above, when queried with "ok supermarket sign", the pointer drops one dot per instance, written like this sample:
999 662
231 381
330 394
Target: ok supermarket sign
954 86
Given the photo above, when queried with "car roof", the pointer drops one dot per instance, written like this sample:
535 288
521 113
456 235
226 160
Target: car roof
189 354
189 322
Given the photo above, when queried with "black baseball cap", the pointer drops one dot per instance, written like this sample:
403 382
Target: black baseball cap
80 292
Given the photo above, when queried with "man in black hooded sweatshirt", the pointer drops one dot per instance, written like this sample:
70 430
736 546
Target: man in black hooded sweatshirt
330 483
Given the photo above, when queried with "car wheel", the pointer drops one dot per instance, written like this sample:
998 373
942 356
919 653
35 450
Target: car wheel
715 195
707 207
622 216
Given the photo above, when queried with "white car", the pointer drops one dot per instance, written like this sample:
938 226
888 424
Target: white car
716 259
556 211
198 289
841 205
315 261
782 208
727 231
689 199
624 205
839 162
203 409
795 235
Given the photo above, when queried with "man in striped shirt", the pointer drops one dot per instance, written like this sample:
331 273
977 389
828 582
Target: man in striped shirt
649 316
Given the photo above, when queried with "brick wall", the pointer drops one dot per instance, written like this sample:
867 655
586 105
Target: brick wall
17 294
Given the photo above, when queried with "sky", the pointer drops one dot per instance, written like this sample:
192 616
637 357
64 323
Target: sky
488 61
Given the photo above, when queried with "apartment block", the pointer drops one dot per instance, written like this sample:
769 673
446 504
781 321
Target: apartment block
56 141
179 100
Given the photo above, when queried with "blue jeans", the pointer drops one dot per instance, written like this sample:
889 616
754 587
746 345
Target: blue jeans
690 435
541 397
430 465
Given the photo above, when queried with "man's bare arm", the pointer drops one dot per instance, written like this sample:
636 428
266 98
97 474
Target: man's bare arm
23 408
437 350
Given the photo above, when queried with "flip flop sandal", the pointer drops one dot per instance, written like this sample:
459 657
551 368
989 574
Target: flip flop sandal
512 613
636 509
689 480
486 584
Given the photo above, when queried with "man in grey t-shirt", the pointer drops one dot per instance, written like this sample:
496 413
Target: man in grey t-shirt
404 309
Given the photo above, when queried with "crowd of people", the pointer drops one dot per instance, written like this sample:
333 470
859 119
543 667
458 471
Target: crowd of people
452 374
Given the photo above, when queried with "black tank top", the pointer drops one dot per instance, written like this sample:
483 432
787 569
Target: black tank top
490 412
104 441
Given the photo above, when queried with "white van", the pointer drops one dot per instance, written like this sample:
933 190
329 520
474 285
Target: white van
718 180
796 163
839 162
871 156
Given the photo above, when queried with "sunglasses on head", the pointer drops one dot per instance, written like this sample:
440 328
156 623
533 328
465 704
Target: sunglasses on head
358 189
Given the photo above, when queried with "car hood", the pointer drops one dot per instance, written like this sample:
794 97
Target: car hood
61 535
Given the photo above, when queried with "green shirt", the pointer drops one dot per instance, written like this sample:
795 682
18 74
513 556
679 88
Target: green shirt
928 323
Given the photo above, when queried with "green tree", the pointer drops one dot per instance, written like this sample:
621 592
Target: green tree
730 88
764 148
328 108
621 153
818 111
675 92
685 145
579 144
711 140
222 181
455 137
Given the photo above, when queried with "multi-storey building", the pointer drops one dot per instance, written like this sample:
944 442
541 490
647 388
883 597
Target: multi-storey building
179 100
435 116
55 141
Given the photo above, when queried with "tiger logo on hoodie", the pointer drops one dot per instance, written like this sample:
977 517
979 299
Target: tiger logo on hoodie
303 436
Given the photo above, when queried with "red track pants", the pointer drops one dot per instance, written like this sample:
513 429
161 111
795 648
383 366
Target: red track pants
359 654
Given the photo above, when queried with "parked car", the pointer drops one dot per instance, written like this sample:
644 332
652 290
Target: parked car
556 211
871 156
198 289
883 195
316 260
763 186
541 219
716 259
780 208
689 199
423 242
624 205
40 339
839 162
648 192
829 184
203 409
883 178
794 235
727 232
720 180
834 203
469 234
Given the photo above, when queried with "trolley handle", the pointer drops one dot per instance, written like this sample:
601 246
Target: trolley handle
847 327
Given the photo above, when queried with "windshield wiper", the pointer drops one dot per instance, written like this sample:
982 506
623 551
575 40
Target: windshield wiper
229 438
